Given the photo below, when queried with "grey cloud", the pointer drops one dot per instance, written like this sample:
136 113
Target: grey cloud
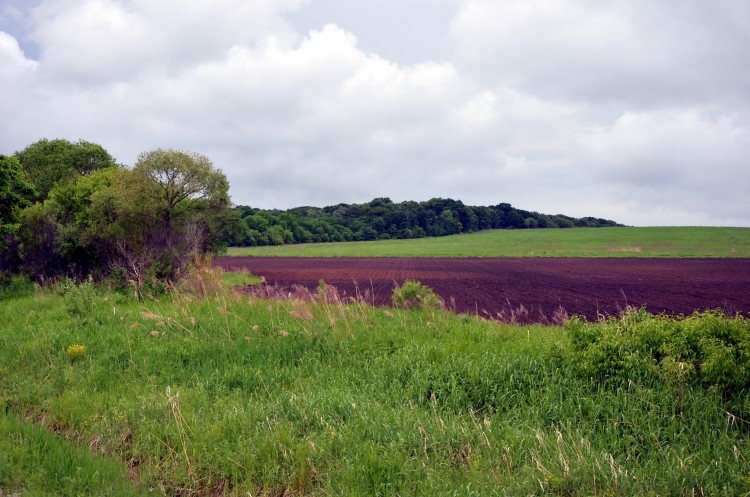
655 53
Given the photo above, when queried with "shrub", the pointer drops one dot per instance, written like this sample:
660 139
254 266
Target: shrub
708 349
78 297
414 295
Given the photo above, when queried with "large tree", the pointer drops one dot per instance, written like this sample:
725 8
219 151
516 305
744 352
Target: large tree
170 209
180 187
48 162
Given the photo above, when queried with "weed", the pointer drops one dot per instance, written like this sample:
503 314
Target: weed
76 351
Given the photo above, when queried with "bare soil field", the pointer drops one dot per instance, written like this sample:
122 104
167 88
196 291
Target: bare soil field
524 289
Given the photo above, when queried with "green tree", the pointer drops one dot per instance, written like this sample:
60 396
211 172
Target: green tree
180 186
169 209
15 193
65 234
48 162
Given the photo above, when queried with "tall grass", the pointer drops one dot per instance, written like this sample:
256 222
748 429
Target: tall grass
230 395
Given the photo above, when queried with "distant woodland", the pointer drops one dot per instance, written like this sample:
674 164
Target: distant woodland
383 219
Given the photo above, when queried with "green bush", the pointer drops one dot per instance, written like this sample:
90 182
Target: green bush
708 349
78 297
414 295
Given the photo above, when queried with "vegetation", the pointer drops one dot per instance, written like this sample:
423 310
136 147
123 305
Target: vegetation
68 210
35 460
184 388
604 242
382 219
47 163
220 394
414 295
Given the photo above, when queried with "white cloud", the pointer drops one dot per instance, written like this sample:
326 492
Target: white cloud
108 40
585 108
13 62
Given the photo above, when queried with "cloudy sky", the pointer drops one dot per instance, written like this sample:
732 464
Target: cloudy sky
634 110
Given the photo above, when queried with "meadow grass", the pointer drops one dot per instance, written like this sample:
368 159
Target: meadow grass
239 278
241 396
578 242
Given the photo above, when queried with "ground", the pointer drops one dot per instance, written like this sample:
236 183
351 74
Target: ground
526 289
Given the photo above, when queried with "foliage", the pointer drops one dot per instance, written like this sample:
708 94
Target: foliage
707 349
147 223
383 219
167 212
49 162
39 248
414 295
15 192
179 187
78 297
233 396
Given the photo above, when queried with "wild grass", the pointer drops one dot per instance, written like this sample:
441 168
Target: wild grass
579 242
224 394
34 461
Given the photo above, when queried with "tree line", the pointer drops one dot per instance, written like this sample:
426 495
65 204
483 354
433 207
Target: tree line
69 210
383 219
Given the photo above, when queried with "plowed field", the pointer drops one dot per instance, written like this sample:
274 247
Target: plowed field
526 289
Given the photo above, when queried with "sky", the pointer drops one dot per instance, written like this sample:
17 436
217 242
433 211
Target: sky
632 110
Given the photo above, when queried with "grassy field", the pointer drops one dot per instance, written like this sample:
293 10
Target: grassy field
246 397
580 242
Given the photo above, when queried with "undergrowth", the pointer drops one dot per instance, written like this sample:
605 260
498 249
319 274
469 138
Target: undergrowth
216 393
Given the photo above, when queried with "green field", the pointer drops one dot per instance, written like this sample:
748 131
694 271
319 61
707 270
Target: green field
103 395
579 242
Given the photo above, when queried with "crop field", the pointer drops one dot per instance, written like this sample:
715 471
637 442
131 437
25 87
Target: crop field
579 242
524 289
529 275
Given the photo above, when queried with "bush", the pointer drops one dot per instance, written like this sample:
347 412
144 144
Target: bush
414 295
78 297
708 349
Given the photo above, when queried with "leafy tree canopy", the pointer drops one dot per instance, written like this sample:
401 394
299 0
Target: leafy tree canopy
382 218
48 162
15 191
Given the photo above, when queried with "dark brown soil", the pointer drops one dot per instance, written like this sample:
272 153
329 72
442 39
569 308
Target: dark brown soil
526 290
